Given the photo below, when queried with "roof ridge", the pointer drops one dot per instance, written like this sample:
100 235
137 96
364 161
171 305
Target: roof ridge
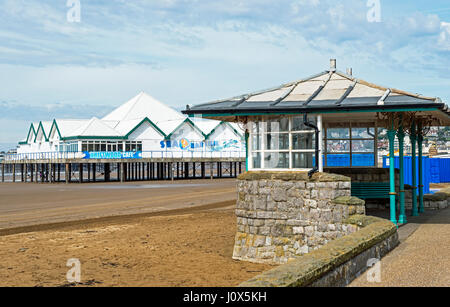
138 97
293 83
383 88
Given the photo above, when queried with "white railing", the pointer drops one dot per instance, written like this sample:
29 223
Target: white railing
144 155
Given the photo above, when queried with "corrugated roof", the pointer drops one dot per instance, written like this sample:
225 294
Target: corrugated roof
329 90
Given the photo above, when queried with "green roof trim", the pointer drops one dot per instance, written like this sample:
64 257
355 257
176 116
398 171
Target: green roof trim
55 125
28 135
80 137
207 115
43 132
151 123
224 123
187 120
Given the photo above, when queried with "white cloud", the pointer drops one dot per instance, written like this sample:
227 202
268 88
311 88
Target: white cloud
444 37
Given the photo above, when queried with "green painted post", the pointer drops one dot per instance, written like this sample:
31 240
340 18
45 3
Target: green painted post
401 143
413 138
246 150
391 136
419 143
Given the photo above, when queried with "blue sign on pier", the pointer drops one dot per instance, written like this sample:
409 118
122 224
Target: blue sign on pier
113 155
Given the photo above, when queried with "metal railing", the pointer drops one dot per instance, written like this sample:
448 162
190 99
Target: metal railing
143 155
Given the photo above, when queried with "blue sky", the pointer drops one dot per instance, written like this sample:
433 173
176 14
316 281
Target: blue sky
188 52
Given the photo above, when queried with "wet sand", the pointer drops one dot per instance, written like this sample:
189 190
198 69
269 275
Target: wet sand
27 204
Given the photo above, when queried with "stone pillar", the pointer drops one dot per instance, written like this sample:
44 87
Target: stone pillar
282 215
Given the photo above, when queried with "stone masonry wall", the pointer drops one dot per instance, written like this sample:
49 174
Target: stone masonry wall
282 215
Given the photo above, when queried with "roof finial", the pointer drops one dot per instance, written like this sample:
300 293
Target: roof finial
333 65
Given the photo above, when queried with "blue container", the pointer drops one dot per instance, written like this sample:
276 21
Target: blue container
435 170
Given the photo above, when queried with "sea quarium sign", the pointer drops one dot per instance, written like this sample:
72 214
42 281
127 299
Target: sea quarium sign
113 155
185 144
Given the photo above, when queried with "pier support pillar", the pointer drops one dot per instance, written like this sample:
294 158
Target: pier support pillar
67 173
80 172
3 172
122 172
51 172
203 170
107 172
94 172
14 172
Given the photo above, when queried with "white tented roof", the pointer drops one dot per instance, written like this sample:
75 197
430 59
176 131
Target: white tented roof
95 127
124 119
205 125
169 126
67 126
125 126
141 106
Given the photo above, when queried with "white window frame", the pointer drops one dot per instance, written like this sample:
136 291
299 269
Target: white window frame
263 150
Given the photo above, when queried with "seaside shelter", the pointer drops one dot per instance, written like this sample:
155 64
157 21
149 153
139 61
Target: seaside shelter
331 119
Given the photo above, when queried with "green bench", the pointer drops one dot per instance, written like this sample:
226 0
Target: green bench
371 190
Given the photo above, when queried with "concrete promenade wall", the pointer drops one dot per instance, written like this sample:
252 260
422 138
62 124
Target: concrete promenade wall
338 262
